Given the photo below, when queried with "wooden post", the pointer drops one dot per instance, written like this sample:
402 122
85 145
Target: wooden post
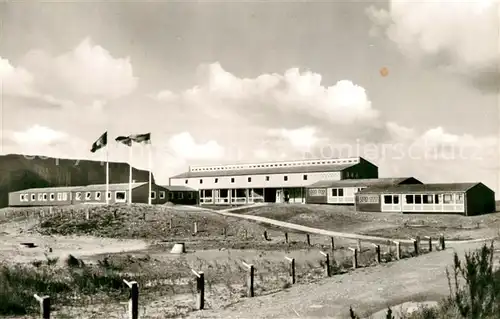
44 306
246 234
359 245
308 240
224 232
377 253
332 243
415 246
354 257
291 271
50 211
200 288
430 242
286 238
195 227
251 271
170 223
398 249
441 242
87 214
144 216
327 263
133 304
265 235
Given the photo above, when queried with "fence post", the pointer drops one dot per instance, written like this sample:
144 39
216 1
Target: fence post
133 304
286 238
87 214
354 257
246 234
291 269
398 249
377 253
265 235
441 242
224 232
170 223
308 240
332 243
195 227
327 263
415 246
251 271
200 289
359 245
430 242
44 306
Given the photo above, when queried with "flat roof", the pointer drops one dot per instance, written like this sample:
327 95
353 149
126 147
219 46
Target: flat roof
47 189
268 171
112 187
178 188
362 182
419 188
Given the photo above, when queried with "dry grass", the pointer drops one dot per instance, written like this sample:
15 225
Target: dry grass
392 225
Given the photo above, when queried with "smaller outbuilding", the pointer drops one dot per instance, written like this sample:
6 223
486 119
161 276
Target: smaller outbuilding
342 191
182 195
468 199
44 196
119 193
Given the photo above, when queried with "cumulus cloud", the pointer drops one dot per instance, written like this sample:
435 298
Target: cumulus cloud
87 72
458 36
14 81
184 146
38 134
164 96
302 138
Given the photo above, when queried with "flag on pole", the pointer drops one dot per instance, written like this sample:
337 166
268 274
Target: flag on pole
141 138
124 140
101 142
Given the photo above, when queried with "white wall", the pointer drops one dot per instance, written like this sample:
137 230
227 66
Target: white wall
347 198
258 181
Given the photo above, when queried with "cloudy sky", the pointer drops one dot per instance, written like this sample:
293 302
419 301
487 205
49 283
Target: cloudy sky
221 82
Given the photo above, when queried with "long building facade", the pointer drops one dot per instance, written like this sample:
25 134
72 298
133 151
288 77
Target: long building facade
271 182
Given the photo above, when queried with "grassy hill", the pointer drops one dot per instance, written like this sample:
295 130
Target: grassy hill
19 172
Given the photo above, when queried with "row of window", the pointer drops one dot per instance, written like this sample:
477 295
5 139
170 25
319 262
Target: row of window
218 168
119 196
426 199
339 192
249 179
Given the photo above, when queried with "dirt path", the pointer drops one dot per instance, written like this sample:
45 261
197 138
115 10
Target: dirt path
367 290
374 239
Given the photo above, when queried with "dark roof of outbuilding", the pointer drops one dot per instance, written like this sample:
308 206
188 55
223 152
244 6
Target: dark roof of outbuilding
268 170
419 188
48 189
363 182
179 188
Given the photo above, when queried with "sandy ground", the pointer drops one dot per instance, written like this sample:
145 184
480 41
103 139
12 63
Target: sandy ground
13 234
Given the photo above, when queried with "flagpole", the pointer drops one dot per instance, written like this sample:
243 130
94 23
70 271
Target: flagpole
107 174
150 164
130 174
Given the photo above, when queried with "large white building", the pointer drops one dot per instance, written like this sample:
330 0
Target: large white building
238 184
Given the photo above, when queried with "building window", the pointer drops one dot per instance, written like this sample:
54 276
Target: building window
120 196
162 194
387 199
334 192
59 196
460 198
337 192
180 195
44 197
109 195
267 178
40 197
216 180
64 196
427 199
418 199
201 181
395 199
22 197
285 178
186 181
78 196
88 196
304 177
249 179
153 195
447 199
232 179
190 195
436 199
52 196
171 195
97 195
409 199
33 197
